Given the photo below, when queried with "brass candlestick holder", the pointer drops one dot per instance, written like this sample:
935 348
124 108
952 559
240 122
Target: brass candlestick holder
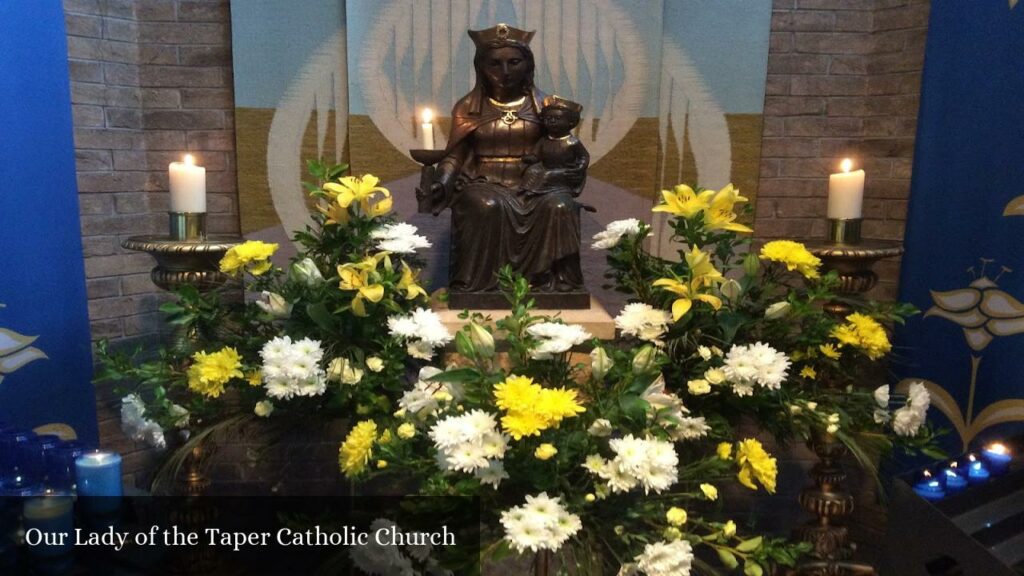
826 498
188 255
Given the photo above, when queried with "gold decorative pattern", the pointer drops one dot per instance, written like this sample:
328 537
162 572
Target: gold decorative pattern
181 262
16 351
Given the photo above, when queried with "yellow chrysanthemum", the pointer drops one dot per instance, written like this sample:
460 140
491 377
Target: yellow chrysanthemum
724 450
253 255
683 201
676 516
531 408
830 351
254 378
864 333
794 255
756 464
545 451
210 372
357 449
809 373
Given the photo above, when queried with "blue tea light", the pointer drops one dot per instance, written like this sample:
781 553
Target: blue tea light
977 470
930 486
997 456
956 477
51 512
98 473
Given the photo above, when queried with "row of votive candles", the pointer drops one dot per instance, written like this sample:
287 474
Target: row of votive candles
970 470
31 464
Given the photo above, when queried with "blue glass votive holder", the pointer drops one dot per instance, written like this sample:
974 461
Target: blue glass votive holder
20 462
930 486
49 523
977 470
955 477
60 465
997 457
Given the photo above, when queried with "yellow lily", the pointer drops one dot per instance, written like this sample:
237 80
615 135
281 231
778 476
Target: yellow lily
720 214
702 274
352 189
335 213
380 208
353 278
683 201
408 283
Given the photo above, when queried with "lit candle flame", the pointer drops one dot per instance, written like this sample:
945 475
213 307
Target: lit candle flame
953 465
427 116
927 474
998 448
846 165
190 160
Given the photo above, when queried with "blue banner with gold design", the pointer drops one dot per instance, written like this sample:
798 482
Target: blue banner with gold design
45 353
964 265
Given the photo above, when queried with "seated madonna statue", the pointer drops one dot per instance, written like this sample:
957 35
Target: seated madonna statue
500 217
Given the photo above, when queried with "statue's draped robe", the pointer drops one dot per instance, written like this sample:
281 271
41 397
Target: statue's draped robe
494 222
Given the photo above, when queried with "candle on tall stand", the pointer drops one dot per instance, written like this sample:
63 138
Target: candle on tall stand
427 129
845 204
188 200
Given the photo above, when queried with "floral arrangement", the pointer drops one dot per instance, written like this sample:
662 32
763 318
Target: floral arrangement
614 459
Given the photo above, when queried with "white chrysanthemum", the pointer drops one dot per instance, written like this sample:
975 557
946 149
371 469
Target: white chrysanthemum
666 558
649 462
555 338
426 396
293 368
469 442
755 364
613 233
136 426
540 524
601 428
400 238
643 321
690 428
881 395
492 474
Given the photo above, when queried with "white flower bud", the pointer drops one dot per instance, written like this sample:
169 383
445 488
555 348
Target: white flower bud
731 289
375 364
777 310
264 408
644 361
306 272
483 341
600 363
274 304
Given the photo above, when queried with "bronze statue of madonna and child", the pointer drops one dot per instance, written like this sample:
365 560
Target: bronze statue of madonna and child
511 174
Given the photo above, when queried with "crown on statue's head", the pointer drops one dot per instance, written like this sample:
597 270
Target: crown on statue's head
556 101
499 34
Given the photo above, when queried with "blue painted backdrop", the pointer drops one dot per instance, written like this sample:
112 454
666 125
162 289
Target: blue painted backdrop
45 355
964 266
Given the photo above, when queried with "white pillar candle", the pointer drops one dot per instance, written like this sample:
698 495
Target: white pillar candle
188 186
427 129
846 193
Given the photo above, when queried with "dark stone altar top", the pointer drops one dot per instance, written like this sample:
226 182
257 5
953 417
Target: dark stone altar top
510 174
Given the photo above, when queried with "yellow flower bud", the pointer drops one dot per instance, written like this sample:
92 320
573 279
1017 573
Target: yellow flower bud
590 497
545 451
672 533
724 450
375 364
382 464
710 492
729 530
676 516
406 431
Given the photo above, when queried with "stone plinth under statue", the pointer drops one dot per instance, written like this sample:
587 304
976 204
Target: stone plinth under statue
511 175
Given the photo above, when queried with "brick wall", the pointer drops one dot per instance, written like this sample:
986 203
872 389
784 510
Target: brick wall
843 80
150 79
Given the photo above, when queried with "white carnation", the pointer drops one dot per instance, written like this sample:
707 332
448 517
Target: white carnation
666 558
907 421
755 364
643 322
882 396
400 238
136 426
613 233
555 338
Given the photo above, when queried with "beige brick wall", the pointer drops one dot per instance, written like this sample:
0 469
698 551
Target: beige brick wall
150 79
843 80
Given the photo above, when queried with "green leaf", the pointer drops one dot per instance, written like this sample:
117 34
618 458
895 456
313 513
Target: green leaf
633 406
457 375
727 558
752 568
318 313
750 545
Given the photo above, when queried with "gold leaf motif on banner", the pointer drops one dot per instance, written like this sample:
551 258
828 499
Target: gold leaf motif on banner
16 351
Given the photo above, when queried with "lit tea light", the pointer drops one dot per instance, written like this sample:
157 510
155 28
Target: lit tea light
977 472
929 486
998 458
956 478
